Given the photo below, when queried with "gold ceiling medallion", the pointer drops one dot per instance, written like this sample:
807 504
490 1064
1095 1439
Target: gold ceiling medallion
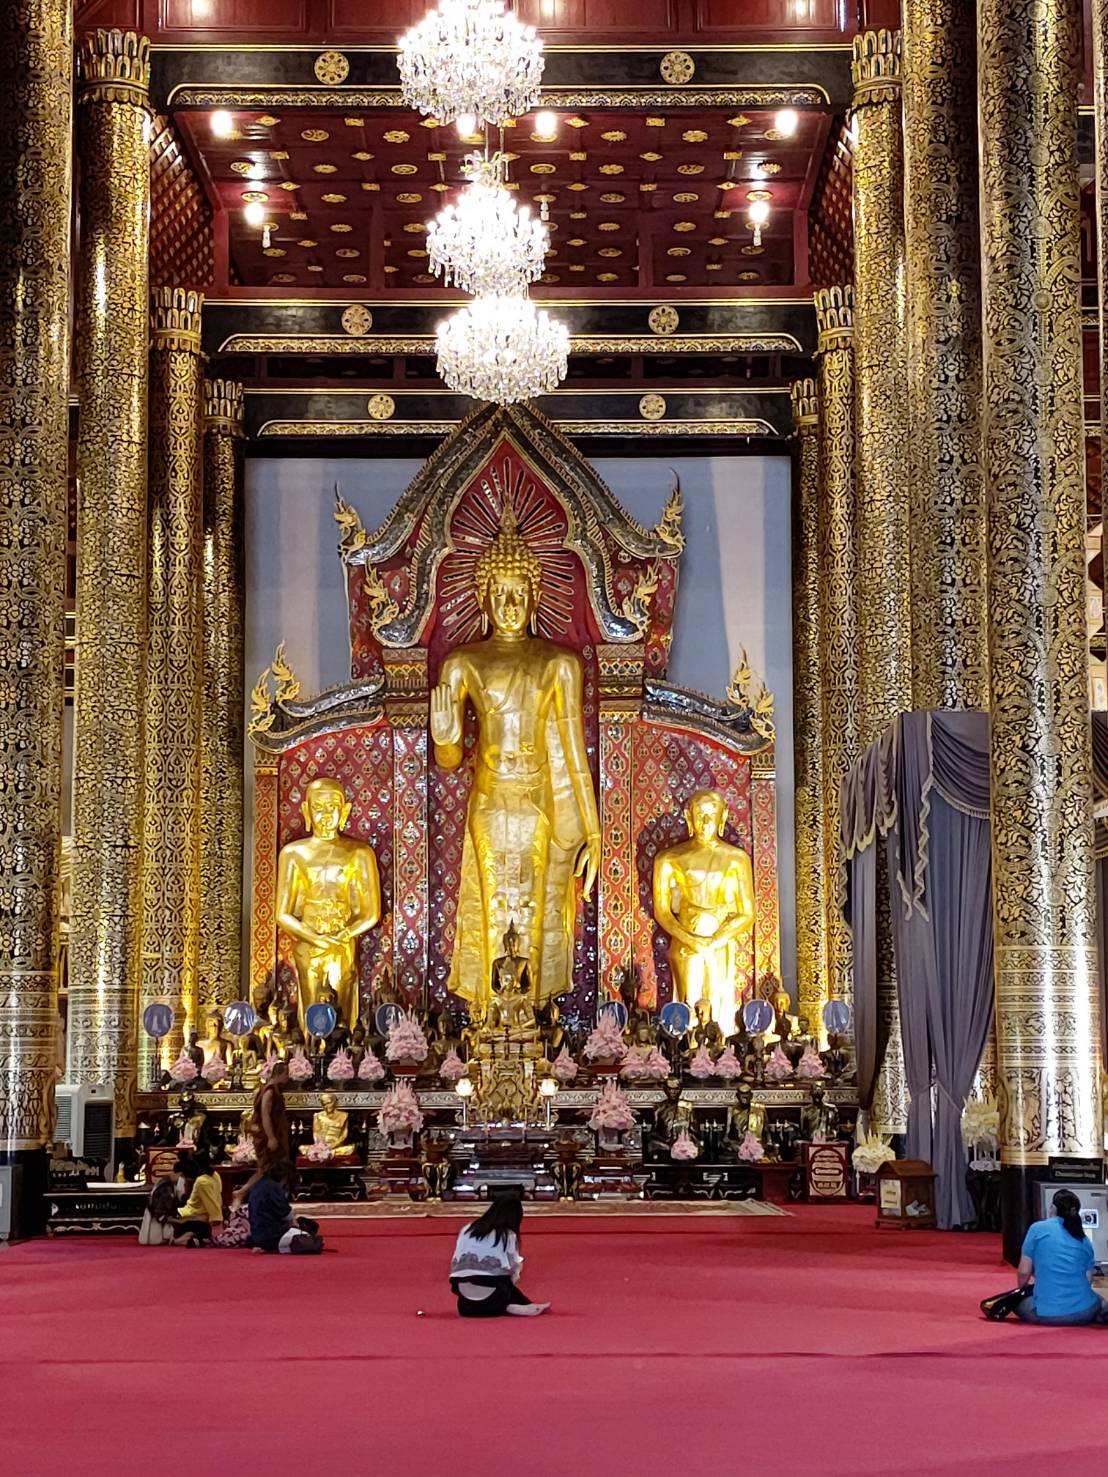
663 320
331 68
652 407
677 67
357 320
381 407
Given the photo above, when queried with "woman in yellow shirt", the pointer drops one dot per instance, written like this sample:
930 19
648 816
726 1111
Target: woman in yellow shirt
202 1213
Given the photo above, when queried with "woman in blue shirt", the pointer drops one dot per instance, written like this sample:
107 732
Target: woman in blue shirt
1059 1256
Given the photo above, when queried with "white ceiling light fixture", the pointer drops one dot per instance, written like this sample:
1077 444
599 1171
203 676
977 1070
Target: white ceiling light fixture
757 217
470 57
486 244
502 349
787 122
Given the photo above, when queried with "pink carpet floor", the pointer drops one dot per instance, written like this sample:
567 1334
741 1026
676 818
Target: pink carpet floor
812 1345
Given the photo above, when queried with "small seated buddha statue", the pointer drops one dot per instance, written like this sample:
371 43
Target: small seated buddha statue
754 1062
819 1123
286 1035
472 1031
332 1125
553 1028
739 1042
836 1058
798 1040
340 1035
215 1042
444 1037
746 1116
511 1015
706 1032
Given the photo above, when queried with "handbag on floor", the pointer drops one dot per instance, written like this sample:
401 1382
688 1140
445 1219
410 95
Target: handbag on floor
996 1309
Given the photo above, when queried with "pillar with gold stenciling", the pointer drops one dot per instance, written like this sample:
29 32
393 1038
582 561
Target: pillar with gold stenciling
112 348
174 688
947 500
1100 113
838 614
1044 900
811 896
221 796
35 174
883 526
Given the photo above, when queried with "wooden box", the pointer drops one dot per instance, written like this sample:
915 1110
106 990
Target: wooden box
906 1195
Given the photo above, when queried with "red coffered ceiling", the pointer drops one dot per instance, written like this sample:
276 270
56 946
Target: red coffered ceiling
635 199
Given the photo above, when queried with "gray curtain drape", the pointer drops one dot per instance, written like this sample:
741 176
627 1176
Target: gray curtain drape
924 787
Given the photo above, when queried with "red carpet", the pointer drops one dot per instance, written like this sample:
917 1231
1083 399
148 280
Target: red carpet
813 1345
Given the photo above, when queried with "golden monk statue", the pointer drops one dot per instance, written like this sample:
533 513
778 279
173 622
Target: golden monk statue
328 893
332 1124
704 900
215 1042
532 822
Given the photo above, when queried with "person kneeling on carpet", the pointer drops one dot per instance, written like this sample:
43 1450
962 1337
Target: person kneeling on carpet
202 1212
273 1227
1059 1257
485 1268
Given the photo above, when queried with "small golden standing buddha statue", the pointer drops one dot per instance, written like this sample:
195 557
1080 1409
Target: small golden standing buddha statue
703 894
328 895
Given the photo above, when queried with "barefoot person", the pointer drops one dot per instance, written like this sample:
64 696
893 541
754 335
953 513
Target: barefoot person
486 1265
1059 1256
270 1130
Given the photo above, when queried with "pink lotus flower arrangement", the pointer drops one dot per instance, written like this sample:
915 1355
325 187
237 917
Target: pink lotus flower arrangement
644 1062
810 1065
318 1151
751 1149
300 1068
341 1066
605 1043
702 1064
683 1147
215 1070
183 1069
565 1068
268 1066
406 1041
612 1110
728 1064
371 1068
779 1067
244 1151
400 1111
452 1068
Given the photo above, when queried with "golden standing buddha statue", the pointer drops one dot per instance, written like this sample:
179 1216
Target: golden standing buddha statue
704 900
328 893
532 822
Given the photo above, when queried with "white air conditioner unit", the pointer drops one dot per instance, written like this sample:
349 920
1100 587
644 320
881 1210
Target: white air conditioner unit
85 1119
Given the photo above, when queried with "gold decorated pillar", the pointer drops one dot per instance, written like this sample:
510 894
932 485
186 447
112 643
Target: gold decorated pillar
838 616
947 499
174 687
35 127
221 814
1100 111
884 614
1048 1026
884 567
112 352
811 893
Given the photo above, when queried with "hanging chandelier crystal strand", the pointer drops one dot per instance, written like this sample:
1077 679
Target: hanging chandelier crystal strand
471 57
486 244
502 349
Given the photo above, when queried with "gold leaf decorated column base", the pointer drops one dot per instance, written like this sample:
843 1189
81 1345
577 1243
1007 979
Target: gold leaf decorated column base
35 124
1047 1001
171 828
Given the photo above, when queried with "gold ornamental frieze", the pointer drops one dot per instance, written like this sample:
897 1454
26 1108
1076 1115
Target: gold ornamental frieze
582 343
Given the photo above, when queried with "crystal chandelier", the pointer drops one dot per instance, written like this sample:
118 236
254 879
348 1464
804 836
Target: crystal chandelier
470 56
486 244
502 349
